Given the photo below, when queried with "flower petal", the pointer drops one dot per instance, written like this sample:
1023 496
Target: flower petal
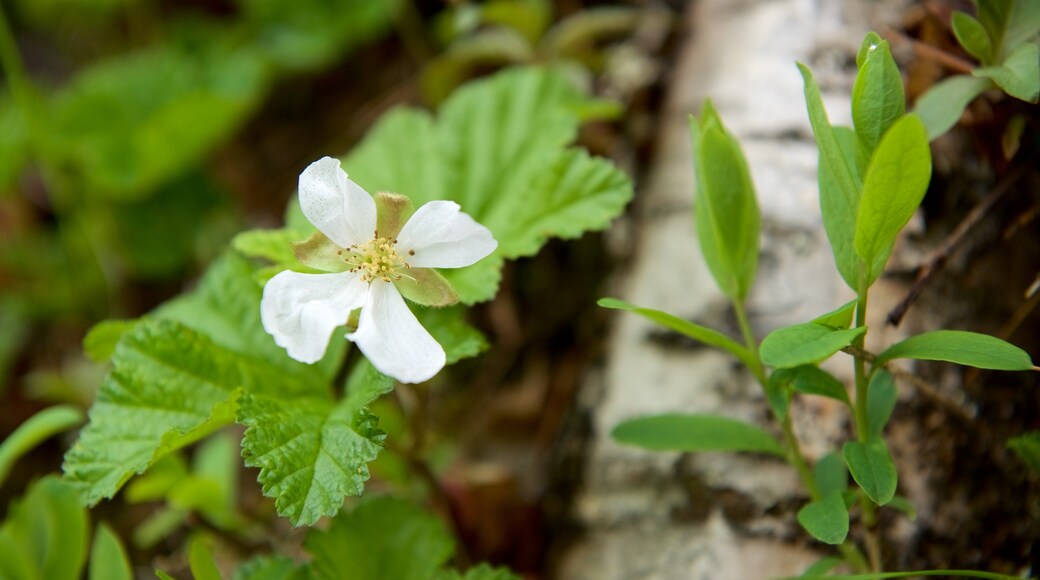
301 310
444 237
336 205
393 340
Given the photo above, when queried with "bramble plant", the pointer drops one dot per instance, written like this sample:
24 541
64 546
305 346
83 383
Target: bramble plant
872 178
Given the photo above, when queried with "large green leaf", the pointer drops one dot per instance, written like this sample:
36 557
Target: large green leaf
45 534
942 106
895 184
827 520
872 468
313 451
384 538
677 432
726 211
498 148
684 327
877 96
961 347
1019 75
803 344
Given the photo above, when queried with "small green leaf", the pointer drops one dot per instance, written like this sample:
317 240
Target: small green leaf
827 520
877 95
273 245
1019 75
872 468
100 342
961 347
895 184
38 428
684 327
942 106
200 559
831 475
902 504
45 534
812 380
1027 447
726 210
778 394
820 568
383 537
676 432
838 209
840 317
881 399
108 559
806 343
972 36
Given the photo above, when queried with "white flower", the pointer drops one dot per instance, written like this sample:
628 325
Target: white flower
373 259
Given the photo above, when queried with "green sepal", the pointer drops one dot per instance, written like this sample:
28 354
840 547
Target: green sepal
427 287
320 253
392 211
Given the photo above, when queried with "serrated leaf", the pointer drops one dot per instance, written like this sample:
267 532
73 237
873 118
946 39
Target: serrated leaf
827 520
942 106
839 209
961 347
100 341
313 452
169 386
812 380
498 148
1019 75
872 468
45 534
689 433
273 245
1027 447
383 538
806 343
881 399
972 36
684 327
895 184
877 95
33 431
108 559
830 474
726 209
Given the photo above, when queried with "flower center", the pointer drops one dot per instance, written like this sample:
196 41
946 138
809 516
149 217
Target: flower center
377 259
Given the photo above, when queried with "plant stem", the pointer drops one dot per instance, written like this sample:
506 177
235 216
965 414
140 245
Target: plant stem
871 536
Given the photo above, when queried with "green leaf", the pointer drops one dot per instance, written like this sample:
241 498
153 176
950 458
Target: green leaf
831 475
270 568
840 317
383 538
806 343
449 328
839 210
108 559
896 181
684 327
881 399
38 428
902 504
877 96
498 148
1027 447
200 559
273 245
961 347
827 520
872 468
1019 75
313 451
726 210
169 386
820 568
1023 24
972 36
942 106
676 432
100 342
482 571
778 395
812 380
45 534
